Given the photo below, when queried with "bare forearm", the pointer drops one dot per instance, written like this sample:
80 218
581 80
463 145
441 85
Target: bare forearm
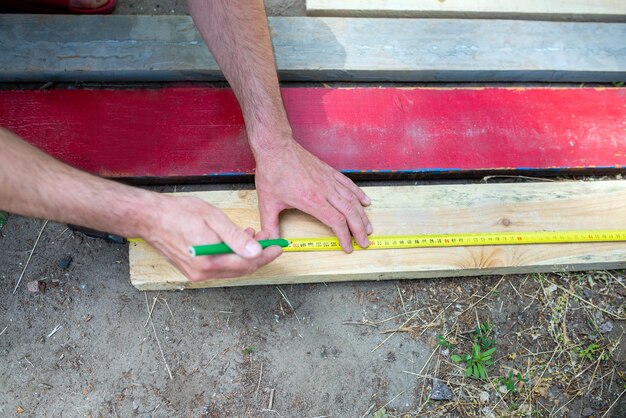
34 184
237 34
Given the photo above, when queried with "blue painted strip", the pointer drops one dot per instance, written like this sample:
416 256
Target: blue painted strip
443 170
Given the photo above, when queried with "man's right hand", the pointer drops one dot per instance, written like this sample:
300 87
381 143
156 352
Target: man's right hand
34 184
179 222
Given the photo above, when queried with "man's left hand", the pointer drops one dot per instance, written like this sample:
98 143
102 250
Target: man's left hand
292 177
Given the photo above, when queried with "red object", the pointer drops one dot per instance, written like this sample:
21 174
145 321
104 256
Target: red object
197 132
54 6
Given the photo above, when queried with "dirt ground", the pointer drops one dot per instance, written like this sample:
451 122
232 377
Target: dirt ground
245 351
77 340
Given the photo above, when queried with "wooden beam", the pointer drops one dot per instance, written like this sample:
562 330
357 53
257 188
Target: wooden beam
427 209
597 10
177 134
163 48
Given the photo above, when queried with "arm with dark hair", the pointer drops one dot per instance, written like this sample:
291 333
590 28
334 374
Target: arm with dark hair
35 184
287 175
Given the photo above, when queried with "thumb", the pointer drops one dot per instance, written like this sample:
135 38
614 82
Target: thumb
269 219
236 238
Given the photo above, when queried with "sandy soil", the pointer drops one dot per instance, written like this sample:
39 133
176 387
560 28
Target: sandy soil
230 351
215 341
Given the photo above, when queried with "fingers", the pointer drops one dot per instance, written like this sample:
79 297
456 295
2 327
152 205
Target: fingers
231 265
242 243
198 223
333 218
350 192
341 210
360 194
261 235
354 215
269 213
227 265
351 202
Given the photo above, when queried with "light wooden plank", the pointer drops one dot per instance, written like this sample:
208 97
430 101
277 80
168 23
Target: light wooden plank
580 10
428 209
162 48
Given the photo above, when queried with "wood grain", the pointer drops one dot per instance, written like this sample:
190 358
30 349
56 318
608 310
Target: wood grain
180 133
164 48
596 10
427 209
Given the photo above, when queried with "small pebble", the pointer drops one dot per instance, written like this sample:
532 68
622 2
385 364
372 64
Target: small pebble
606 327
483 396
64 262
33 286
598 317
36 286
550 289
588 412
440 391
487 412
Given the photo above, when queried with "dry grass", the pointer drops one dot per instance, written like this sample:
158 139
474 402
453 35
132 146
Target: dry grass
556 337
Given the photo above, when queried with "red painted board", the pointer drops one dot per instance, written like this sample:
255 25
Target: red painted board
192 132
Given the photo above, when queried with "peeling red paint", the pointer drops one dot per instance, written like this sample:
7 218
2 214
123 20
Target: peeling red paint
191 132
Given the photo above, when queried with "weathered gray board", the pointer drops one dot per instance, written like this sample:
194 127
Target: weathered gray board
584 11
169 48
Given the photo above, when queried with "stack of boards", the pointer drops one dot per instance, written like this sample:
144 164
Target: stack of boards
196 133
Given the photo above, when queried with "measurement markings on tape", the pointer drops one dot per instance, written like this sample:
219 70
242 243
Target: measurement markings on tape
460 240
426 241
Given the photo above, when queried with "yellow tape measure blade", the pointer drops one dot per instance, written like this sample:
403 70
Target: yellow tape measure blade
461 240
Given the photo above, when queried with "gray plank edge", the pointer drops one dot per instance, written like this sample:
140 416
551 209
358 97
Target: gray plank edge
554 10
169 48
565 17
